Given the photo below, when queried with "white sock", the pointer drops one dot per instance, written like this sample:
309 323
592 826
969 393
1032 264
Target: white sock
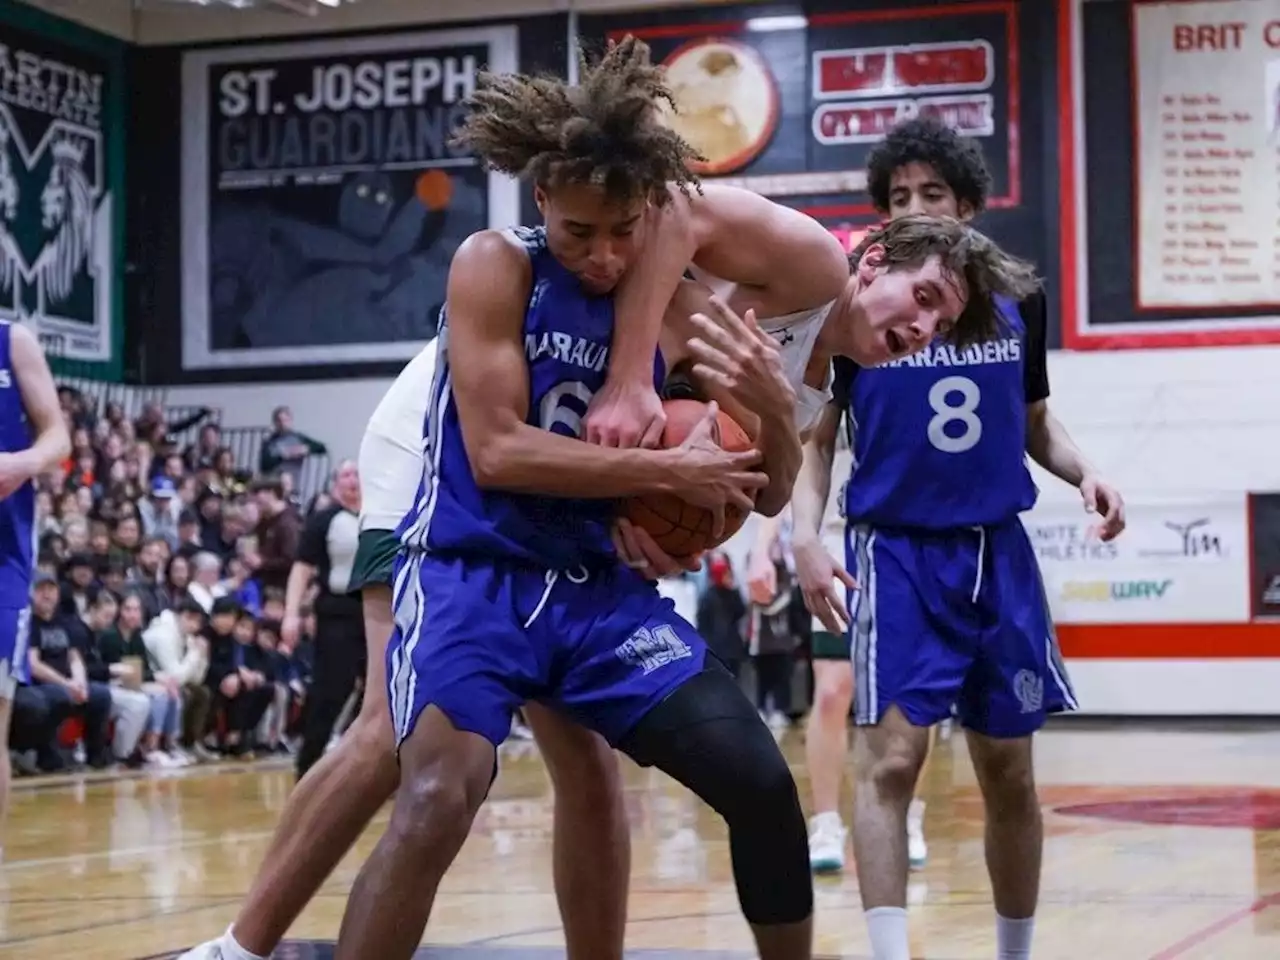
1013 938
232 950
887 928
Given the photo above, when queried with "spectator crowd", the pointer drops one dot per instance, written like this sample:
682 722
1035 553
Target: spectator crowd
159 592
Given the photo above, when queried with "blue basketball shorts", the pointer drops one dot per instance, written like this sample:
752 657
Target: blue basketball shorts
953 618
479 638
15 629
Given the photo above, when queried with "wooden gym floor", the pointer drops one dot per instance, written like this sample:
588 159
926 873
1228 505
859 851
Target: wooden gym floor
1162 844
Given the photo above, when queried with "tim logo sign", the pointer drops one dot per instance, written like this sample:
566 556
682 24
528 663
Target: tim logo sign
55 202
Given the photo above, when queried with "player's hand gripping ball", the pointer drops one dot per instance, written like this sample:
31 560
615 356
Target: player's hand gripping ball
678 527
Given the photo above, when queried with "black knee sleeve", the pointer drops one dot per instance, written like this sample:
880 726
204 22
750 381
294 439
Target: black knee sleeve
708 736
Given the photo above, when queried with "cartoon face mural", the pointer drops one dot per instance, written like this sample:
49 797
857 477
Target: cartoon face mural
365 206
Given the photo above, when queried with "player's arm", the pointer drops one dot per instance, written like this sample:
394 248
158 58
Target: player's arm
744 238
40 400
816 570
487 296
774 434
639 304
1048 442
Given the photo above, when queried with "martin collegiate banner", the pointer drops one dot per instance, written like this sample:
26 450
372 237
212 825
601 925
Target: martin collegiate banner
321 202
789 107
60 175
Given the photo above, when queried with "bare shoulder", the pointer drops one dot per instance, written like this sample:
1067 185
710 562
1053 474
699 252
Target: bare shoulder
489 262
23 342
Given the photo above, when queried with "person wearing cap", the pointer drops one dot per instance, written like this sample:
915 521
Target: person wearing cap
240 693
161 511
57 665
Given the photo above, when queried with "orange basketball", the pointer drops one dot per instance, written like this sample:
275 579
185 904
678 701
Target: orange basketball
680 528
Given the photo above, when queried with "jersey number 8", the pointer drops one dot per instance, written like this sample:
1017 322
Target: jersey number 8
948 414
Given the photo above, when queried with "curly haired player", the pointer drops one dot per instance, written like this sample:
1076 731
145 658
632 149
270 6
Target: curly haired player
507 588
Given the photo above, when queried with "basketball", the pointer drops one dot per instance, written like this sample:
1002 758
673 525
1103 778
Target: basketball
680 528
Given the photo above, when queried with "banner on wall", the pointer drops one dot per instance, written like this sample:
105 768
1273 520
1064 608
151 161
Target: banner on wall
322 202
1264 516
1177 562
1207 105
789 107
58 201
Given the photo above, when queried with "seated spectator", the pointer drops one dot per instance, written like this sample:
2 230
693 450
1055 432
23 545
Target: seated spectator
78 575
123 643
206 580
273 605
188 534
240 692
130 707
180 653
274 730
58 671
244 588
201 454
161 511
145 577
177 577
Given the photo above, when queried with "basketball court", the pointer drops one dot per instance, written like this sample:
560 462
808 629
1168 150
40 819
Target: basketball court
1162 843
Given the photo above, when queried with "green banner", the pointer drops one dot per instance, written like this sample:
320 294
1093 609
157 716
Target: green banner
62 188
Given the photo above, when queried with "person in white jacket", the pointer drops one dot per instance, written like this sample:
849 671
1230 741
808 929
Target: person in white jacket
180 653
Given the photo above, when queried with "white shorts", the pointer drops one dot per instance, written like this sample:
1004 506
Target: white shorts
390 460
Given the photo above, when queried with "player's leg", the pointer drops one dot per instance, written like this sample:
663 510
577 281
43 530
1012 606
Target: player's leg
826 747
917 847
331 806
902 686
641 676
1018 680
591 856
456 661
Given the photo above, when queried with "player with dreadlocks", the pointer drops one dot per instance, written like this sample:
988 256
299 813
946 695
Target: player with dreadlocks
517 121
508 589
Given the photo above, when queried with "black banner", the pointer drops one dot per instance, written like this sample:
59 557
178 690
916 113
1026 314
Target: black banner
321 200
789 106
1264 537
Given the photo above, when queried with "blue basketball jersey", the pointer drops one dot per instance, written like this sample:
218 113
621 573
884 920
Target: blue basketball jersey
939 438
567 336
18 510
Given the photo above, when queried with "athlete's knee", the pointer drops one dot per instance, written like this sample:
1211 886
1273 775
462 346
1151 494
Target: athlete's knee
889 755
833 692
444 777
1005 773
370 743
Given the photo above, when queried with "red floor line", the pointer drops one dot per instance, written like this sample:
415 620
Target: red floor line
1194 939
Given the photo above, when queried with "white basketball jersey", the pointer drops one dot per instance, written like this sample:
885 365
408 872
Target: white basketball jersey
796 334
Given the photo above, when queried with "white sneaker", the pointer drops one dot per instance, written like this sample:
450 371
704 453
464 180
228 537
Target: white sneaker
917 849
160 759
206 951
826 843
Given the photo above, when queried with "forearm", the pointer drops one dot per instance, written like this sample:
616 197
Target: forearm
812 489
1049 445
52 445
524 459
300 575
782 454
642 297
41 672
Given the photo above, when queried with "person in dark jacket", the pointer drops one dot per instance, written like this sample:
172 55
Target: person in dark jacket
130 707
721 612
240 693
